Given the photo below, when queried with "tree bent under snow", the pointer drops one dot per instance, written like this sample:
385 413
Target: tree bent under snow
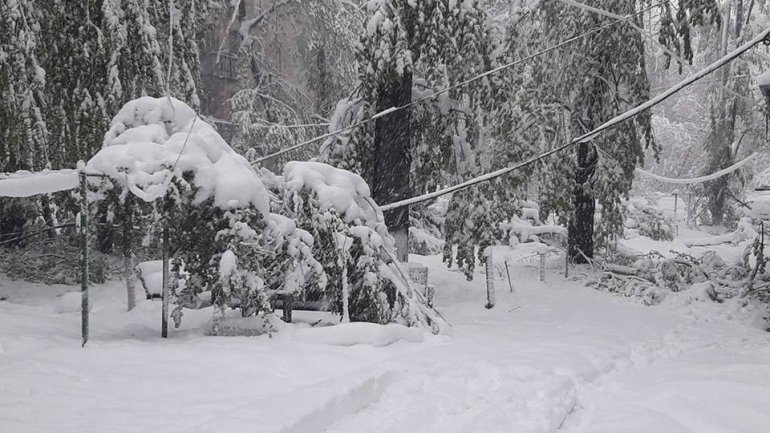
247 236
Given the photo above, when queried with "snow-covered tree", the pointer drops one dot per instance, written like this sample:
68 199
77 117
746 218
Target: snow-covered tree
735 118
298 89
595 78
411 50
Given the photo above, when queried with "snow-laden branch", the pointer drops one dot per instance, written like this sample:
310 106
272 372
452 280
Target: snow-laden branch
27 184
650 38
699 179
591 134
434 94
247 25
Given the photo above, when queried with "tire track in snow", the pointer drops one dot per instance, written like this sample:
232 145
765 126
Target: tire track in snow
307 409
683 341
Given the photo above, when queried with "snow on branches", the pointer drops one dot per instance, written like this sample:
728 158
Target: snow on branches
154 140
315 235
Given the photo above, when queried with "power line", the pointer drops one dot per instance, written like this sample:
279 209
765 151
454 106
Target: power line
651 38
700 179
450 88
763 36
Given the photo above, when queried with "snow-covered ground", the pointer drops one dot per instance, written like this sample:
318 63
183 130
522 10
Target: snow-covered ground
553 356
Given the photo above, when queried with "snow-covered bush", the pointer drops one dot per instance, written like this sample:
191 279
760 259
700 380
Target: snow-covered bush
352 243
649 221
190 182
653 276
54 261
326 239
426 227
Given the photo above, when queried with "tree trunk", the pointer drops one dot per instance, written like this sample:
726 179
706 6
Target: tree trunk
48 217
580 233
128 253
392 158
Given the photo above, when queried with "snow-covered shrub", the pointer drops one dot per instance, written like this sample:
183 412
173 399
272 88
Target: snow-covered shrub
193 184
470 229
426 227
649 221
352 242
672 274
653 276
326 238
54 261
629 286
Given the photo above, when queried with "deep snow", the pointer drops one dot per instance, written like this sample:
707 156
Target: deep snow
550 356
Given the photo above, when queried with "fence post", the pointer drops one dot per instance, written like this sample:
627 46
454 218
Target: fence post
566 264
164 308
83 231
676 214
490 279
508 273
542 267
128 253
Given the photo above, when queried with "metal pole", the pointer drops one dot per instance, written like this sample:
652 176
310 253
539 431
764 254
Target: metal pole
83 230
164 258
507 272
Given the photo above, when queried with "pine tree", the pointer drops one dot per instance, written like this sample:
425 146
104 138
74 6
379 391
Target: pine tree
596 78
23 131
65 70
734 120
417 49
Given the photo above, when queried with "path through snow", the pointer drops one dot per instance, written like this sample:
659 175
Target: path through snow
551 356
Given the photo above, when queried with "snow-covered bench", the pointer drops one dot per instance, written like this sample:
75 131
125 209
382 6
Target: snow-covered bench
150 274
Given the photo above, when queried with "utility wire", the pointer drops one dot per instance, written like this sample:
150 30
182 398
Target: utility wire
699 179
762 36
450 88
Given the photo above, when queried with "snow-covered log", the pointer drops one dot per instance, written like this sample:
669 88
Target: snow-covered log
744 232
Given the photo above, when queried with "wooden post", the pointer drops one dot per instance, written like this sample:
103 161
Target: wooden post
164 308
490 280
542 267
288 304
83 231
689 208
508 273
566 264
128 253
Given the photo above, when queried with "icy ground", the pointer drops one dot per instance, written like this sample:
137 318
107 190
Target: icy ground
553 356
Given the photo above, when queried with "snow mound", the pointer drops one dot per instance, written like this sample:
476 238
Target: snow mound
70 302
351 334
153 140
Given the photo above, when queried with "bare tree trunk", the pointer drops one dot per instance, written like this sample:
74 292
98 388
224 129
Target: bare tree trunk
392 158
